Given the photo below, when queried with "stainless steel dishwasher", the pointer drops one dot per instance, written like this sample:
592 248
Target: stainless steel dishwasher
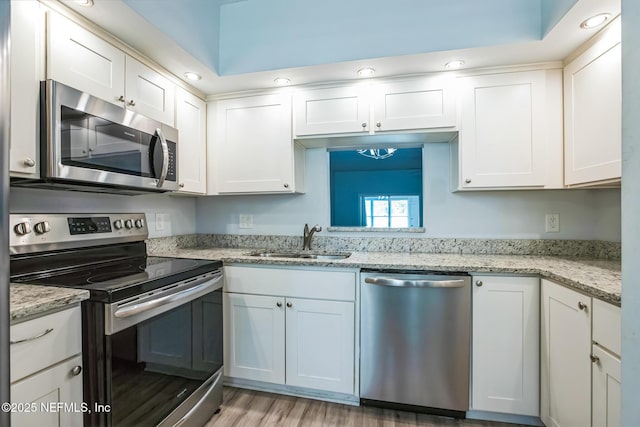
415 341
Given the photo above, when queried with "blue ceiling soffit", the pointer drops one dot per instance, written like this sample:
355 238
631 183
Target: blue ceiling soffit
237 37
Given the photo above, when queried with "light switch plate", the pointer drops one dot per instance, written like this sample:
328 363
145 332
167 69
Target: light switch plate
162 221
245 221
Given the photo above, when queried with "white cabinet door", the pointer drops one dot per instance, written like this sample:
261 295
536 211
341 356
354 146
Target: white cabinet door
592 112
82 60
254 337
254 151
191 117
505 369
503 130
320 344
149 93
328 111
57 384
565 364
27 70
606 389
415 104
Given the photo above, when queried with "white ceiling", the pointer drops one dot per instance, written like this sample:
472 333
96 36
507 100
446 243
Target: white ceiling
121 20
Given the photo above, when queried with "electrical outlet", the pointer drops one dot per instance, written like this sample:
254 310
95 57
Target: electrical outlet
245 221
552 223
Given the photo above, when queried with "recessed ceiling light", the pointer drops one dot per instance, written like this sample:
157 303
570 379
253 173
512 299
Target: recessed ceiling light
452 65
86 3
192 76
595 21
366 72
281 81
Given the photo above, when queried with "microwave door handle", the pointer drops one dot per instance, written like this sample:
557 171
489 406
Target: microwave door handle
165 158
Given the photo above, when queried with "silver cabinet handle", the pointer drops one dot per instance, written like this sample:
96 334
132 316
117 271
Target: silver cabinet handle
406 283
289 305
582 306
131 103
122 99
378 125
467 181
181 185
286 185
595 359
29 162
48 331
279 304
479 283
76 370
364 125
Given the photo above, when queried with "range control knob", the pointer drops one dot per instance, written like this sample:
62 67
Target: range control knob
139 223
117 224
128 223
42 227
22 228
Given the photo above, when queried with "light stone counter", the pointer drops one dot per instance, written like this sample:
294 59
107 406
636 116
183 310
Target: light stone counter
598 278
28 301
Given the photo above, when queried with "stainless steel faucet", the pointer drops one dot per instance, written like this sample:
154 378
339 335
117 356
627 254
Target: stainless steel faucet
308 235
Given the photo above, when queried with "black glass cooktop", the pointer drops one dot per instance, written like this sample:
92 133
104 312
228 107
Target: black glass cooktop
108 279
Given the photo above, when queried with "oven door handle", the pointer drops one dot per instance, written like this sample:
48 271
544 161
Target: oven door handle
131 310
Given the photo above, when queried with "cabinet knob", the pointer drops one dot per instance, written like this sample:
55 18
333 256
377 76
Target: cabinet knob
131 103
378 125
582 306
594 359
364 125
181 185
29 162
76 370
279 304
289 305
479 283
468 181
121 99
286 186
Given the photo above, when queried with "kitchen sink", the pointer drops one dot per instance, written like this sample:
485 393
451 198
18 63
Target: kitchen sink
302 255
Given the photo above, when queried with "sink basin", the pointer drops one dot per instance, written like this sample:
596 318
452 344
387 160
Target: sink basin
302 255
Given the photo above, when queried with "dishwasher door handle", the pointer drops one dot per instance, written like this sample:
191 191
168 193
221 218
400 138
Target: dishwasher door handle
414 283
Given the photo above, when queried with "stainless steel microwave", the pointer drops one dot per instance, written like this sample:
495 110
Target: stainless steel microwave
93 145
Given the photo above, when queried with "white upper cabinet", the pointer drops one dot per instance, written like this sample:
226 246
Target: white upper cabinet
327 111
592 112
253 151
27 70
191 117
416 104
510 130
506 337
407 105
80 59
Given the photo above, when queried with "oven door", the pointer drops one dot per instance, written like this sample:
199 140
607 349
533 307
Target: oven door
167 365
93 141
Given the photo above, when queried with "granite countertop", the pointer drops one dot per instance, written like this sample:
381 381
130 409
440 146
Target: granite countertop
598 278
29 300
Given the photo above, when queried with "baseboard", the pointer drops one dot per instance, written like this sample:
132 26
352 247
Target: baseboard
347 399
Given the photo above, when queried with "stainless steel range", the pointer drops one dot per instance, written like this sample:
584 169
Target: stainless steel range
152 327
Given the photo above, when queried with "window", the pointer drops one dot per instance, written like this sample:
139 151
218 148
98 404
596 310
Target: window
391 211
376 193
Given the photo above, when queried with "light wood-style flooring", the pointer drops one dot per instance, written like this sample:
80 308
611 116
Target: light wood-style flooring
247 408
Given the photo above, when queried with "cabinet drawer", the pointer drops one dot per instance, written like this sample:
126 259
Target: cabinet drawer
331 285
63 341
606 325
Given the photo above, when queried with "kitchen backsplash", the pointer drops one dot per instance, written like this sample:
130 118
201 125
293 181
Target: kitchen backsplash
568 248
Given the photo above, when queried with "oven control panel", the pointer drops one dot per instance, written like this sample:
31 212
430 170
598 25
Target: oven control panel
42 232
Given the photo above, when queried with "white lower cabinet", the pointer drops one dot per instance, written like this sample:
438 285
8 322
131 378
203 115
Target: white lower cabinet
606 365
565 357
46 370
505 348
302 336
